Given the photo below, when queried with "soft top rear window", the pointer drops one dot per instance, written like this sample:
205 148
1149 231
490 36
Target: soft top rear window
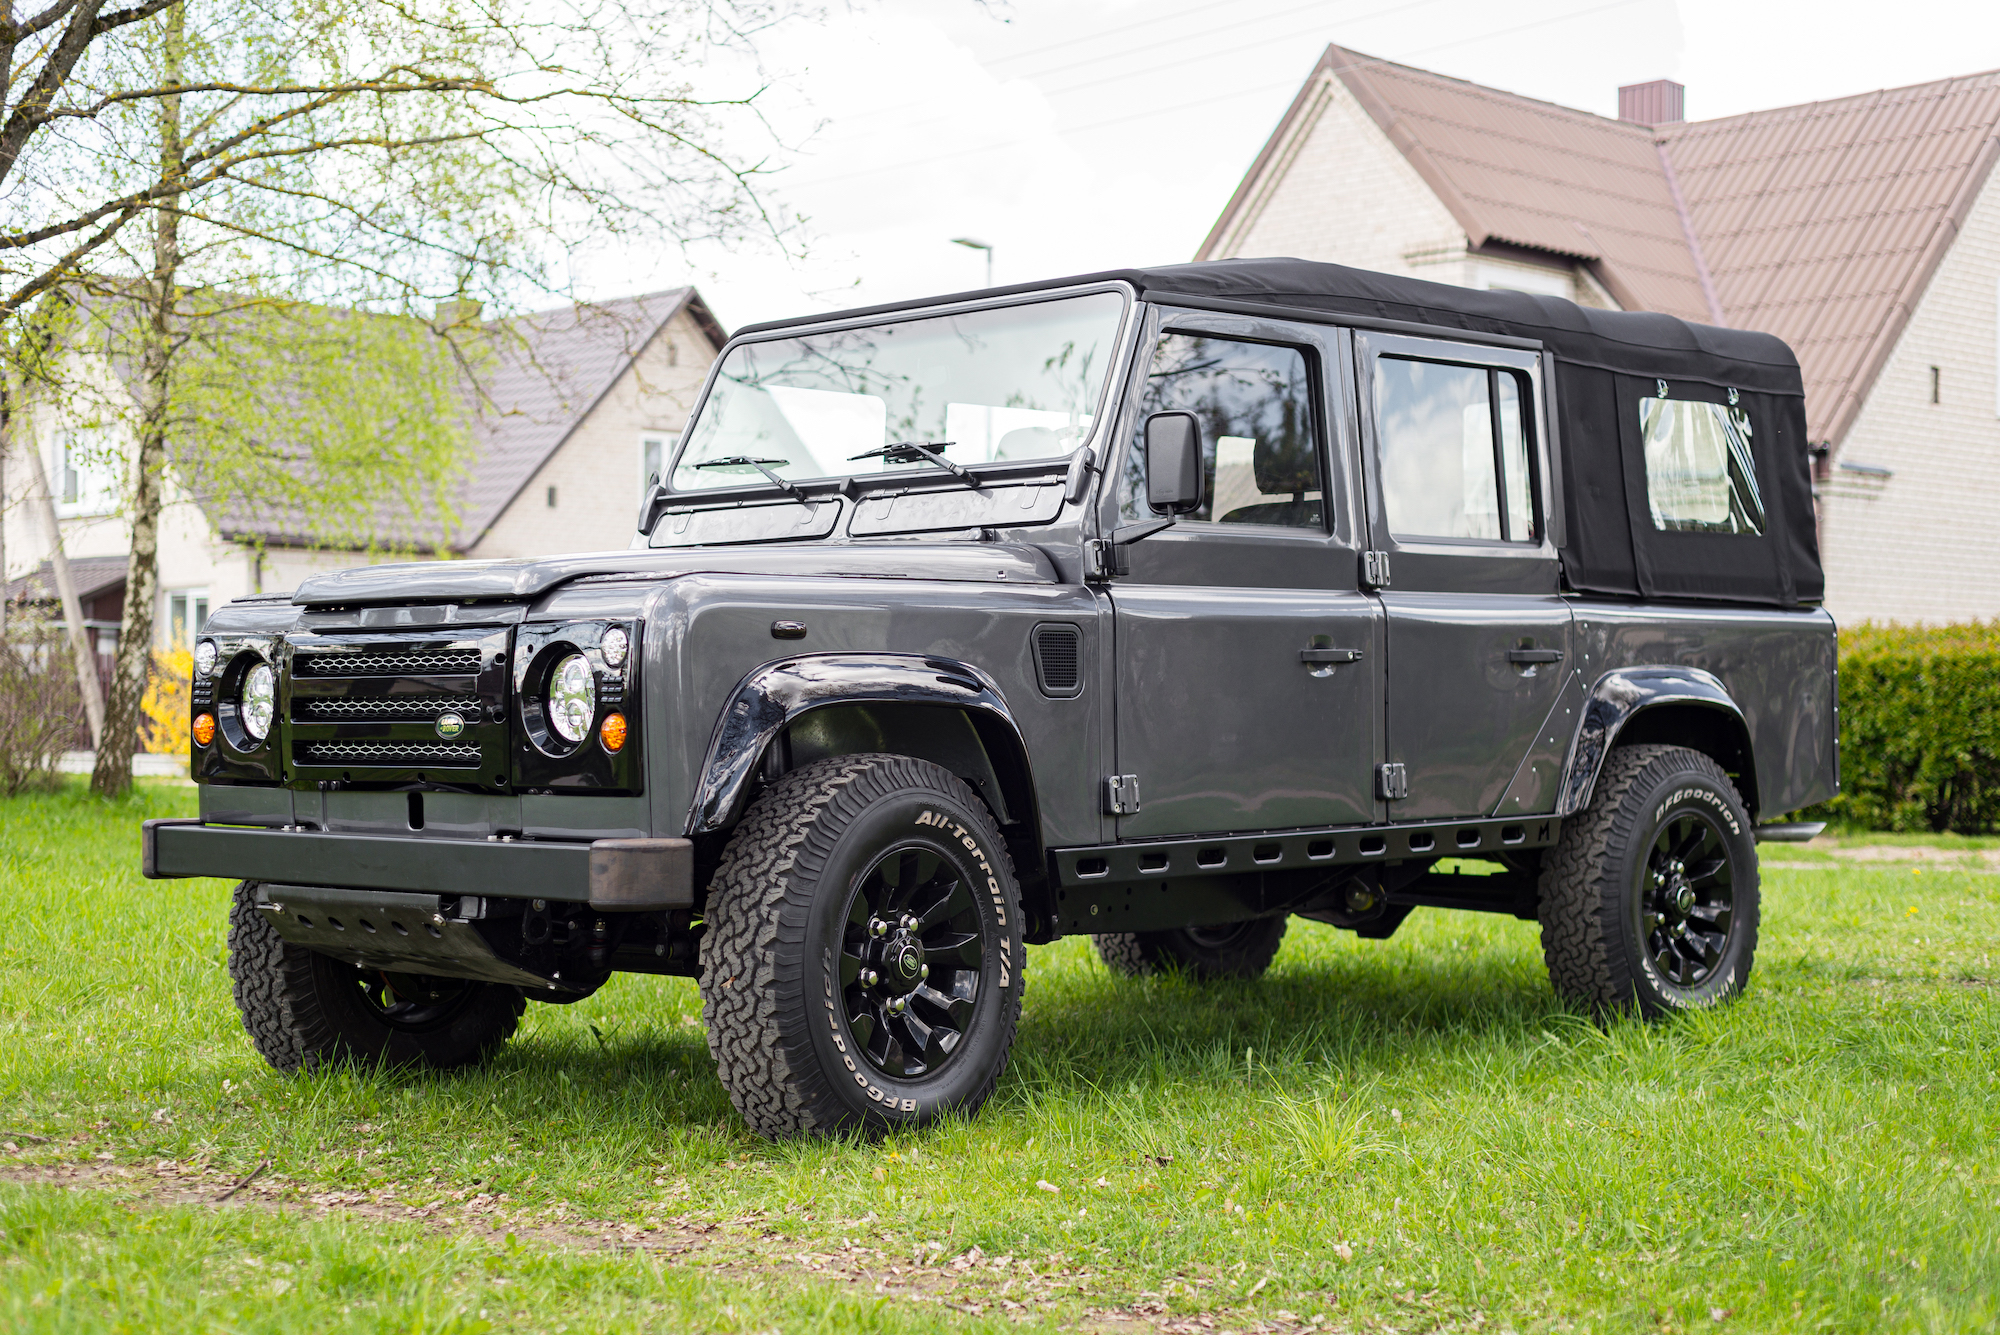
1700 474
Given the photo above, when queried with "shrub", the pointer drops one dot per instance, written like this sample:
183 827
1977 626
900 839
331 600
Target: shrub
166 702
1920 728
39 704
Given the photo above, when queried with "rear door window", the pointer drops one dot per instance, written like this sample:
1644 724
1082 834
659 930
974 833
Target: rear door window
1454 451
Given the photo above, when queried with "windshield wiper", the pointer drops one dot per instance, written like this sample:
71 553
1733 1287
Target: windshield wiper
916 452
785 485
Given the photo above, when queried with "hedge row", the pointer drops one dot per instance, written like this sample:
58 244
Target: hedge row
1920 728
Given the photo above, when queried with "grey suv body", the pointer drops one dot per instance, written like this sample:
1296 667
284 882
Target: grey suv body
1158 605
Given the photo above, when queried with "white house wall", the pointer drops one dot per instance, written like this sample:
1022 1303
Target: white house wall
1923 544
596 471
1339 191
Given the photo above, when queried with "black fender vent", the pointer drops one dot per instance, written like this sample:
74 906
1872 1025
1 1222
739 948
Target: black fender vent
1059 659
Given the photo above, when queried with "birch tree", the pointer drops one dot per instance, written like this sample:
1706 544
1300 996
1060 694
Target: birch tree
215 181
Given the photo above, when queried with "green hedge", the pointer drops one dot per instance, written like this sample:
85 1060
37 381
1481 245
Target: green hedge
1919 728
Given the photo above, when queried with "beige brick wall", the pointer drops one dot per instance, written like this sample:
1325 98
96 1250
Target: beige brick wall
1924 544
596 472
1338 190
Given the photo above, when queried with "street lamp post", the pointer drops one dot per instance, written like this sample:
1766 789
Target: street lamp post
970 244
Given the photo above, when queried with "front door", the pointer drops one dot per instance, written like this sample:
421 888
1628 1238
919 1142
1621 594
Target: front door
1248 660
1480 664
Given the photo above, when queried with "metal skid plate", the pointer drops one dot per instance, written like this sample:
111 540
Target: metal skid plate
394 932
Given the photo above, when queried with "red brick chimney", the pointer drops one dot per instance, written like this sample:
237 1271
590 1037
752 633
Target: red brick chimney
1655 103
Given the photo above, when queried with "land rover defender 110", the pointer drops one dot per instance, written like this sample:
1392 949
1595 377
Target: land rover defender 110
1160 605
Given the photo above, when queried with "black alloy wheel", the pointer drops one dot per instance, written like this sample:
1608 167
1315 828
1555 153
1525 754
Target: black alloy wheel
1687 899
1649 899
911 958
862 952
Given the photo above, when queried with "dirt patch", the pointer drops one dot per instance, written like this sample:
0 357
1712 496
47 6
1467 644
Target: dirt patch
1046 1289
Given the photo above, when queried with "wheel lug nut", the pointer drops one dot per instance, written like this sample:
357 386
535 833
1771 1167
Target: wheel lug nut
923 971
876 927
909 922
869 978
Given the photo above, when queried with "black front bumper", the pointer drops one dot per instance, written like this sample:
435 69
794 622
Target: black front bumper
608 874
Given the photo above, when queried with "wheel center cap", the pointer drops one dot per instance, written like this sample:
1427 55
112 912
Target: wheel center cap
1683 898
908 960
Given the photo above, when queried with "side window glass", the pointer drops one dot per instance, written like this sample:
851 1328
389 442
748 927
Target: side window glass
1700 474
1454 453
1260 454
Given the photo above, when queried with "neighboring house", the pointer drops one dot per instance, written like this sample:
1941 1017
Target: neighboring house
582 404
1864 231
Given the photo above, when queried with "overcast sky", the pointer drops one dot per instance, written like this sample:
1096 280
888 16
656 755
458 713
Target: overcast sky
1087 134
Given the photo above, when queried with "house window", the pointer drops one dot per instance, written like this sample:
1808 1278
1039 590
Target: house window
1534 281
187 609
1700 474
86 473
552 498
1934 385
652 458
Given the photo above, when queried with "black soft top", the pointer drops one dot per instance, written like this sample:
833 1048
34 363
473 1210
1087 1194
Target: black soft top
1607 361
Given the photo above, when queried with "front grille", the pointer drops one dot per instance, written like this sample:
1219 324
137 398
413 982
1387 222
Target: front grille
364 709
416 663
376 754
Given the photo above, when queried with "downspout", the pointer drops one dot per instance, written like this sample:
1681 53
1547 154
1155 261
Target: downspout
1687 233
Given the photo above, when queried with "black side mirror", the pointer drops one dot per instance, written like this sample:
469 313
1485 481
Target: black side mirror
1173 462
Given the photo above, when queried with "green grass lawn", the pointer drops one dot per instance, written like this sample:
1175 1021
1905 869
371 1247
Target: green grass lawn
1405 1135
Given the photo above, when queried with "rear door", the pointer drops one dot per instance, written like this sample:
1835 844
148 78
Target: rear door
1479 635
1248 659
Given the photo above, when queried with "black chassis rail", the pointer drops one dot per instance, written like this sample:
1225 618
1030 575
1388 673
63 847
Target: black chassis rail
614 875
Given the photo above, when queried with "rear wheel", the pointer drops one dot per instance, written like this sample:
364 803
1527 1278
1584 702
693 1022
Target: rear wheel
304 1010
861 965
1650 900
1232 950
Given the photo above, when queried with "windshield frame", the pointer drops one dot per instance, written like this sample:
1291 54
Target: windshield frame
860 484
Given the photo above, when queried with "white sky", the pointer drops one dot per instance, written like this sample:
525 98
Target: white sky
1087 134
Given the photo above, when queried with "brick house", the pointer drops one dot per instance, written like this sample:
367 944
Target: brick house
580 406
1864 231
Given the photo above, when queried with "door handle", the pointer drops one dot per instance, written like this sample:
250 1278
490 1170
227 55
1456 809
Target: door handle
1329 655
1534 655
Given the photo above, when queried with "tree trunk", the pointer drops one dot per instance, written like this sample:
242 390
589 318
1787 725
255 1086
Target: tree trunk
122 714
82 655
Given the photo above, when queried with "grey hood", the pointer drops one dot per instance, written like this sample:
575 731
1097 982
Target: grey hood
521 579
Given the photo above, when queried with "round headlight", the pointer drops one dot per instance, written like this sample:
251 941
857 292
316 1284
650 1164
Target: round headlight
614 646
204 658
260 700
572 698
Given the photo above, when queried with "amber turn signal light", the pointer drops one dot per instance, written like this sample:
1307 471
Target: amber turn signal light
204 729
612 733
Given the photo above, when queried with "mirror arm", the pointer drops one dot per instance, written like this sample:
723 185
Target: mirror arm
1127 534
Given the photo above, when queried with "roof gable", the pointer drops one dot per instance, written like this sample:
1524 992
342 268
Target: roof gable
1820 223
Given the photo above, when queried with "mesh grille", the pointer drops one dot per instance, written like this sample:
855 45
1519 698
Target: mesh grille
359 708
1059 659
412 662
387 753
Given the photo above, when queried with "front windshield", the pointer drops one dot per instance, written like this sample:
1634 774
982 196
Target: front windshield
1000 384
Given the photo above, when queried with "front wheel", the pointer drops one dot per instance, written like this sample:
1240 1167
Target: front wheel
1650 899
861 966
304 1010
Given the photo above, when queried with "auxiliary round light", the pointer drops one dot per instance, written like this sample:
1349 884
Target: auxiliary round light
204 729
572 698
204 658
612 733
260 701
614 646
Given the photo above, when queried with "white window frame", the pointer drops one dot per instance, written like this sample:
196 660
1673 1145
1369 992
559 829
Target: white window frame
97 488
186 598
1535 282
665 441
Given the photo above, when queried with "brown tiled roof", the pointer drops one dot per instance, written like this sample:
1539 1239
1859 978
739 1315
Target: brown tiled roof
1820 223
92 575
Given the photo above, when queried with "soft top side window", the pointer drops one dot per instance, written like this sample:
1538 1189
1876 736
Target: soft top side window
1701 476
1454 454
1260 452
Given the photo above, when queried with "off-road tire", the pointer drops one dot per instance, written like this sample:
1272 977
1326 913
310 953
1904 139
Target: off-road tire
305 1010
1593 891
778 905
1234 950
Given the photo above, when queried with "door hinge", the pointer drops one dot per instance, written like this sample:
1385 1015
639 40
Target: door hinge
1392 782
1121 795
1104 560
1374 570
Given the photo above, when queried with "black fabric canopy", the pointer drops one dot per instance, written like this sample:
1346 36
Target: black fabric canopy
1606 362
